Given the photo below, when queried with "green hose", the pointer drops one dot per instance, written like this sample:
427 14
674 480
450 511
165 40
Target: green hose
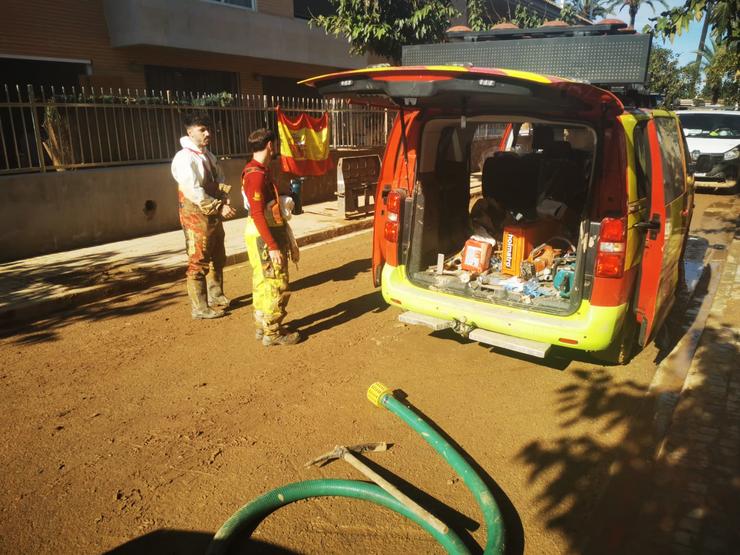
495 536
246 519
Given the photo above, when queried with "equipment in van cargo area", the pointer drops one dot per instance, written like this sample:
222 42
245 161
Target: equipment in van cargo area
477 271
494 245
476 255
520 239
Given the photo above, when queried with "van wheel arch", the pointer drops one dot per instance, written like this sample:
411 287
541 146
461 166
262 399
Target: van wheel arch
625 346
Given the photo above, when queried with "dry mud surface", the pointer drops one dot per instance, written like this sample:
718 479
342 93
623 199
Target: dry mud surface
128 427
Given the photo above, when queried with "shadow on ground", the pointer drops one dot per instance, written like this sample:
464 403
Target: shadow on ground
184 542
345 272
28 319
511 522
637 511
47 328
96 270
339 314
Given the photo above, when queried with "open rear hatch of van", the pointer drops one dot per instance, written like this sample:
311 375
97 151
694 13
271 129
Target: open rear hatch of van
467 90
507 242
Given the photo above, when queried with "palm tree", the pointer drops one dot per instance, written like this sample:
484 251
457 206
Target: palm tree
634 7
590 9
702 41
709 54
706 55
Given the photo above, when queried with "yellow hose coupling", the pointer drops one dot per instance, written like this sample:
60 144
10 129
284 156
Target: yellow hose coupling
376 392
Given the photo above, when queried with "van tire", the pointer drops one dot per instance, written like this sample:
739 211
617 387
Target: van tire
622 350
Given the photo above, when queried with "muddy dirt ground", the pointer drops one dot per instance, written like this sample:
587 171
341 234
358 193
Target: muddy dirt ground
129 428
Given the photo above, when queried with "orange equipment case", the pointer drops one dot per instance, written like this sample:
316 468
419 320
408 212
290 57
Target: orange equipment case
520 239
476 256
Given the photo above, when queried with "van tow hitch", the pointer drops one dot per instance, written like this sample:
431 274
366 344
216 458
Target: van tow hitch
461 327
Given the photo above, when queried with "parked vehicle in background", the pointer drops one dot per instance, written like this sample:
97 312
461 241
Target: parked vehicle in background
713 138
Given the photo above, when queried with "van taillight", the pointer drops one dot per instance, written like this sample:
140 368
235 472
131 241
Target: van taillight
393 205
611 248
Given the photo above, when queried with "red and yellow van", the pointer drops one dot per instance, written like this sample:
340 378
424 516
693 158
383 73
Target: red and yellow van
563 164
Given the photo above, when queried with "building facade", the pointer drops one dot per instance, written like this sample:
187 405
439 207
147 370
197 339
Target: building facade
238 46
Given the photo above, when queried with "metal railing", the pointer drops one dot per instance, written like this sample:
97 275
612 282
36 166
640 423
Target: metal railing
55 129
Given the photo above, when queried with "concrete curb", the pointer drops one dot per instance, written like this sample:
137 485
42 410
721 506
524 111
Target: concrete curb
670 377
137 278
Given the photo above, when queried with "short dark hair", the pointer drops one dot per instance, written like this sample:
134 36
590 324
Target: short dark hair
195 119
259 138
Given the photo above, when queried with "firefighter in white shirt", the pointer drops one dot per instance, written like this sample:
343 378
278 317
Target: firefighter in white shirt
204 203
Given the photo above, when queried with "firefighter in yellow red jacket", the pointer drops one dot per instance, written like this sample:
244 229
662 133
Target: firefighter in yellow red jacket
268 243
203 202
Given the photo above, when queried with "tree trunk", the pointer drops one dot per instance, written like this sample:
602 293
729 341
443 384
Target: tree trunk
633 15
702 40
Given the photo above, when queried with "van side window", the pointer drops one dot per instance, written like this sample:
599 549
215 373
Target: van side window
642 160
670 149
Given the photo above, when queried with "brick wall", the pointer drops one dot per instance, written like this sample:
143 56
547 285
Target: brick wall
66 29
77 30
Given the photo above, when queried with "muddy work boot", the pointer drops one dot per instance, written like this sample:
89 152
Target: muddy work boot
281 339
259 330
216 297
199 301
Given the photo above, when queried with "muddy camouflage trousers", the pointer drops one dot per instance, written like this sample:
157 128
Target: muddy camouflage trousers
270 292
204 240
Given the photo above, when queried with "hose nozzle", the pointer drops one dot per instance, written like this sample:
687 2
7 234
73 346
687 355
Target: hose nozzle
376 392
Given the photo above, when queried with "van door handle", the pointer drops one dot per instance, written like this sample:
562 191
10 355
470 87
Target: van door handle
648 226
652 225
385 191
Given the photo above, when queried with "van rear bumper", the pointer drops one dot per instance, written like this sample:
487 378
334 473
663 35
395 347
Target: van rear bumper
593 328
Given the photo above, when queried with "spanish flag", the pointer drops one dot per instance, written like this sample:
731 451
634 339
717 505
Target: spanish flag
304 144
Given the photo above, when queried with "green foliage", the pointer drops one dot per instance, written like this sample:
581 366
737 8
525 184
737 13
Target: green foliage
216 99
687 79
590 9
667 79
723 19
569 14
721 65
633 7
221 99
382 27
478 17
524 17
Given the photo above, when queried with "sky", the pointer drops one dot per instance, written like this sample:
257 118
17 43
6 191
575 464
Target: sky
685 45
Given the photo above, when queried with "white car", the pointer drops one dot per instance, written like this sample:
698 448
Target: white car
713 138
